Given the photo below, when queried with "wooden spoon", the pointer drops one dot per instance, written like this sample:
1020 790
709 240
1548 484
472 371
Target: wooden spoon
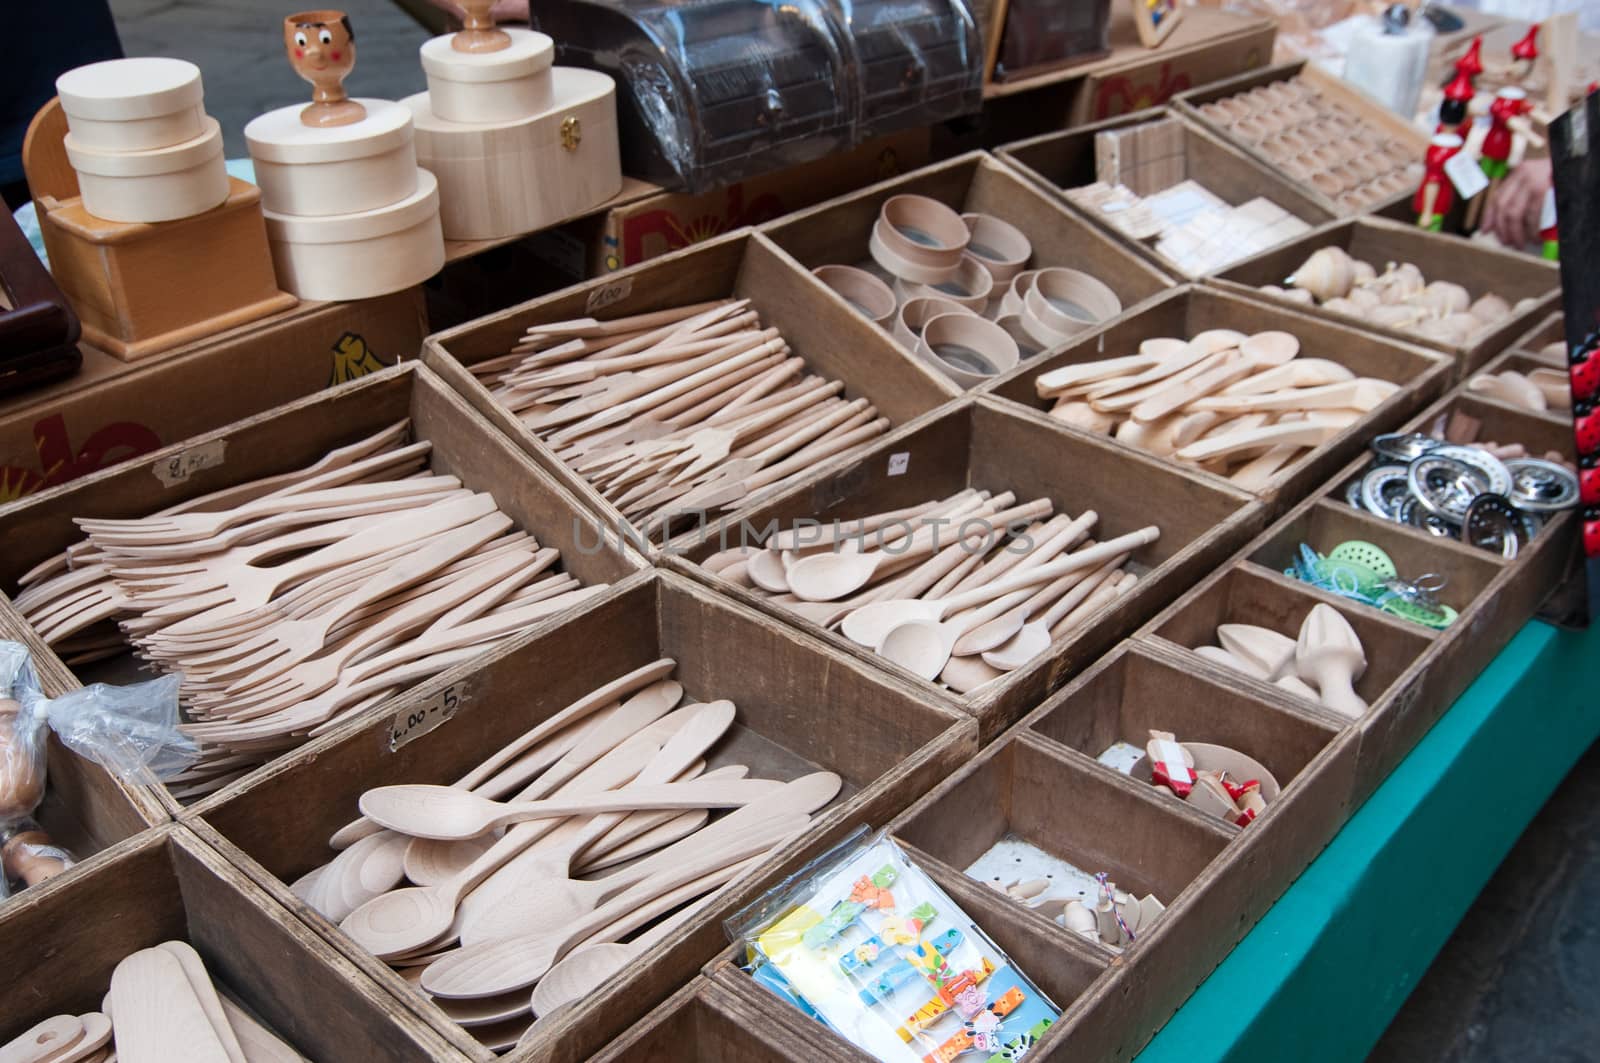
875 621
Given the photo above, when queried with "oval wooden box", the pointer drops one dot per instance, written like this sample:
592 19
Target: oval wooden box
133 104
164 184
361 255
318 171
482 88
501 180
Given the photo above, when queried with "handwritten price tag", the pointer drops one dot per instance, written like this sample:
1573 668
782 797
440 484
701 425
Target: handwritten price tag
412 723
184 464
607 294
899 463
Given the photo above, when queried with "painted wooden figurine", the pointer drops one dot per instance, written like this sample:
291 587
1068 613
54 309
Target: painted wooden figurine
1471 61
1435 196
1455 110
322 49
1510 104
478 30
1525 54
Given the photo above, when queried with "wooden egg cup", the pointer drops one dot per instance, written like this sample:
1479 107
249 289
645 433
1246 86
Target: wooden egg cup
130 283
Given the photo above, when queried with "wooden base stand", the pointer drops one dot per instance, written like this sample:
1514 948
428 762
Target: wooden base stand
139 288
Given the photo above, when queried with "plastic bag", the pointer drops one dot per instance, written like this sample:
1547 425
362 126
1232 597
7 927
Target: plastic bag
131 731
867 943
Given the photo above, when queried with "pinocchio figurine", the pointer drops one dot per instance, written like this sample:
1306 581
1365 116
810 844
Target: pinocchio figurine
1510 103
1525 54
1455 109
1471 61
1435 196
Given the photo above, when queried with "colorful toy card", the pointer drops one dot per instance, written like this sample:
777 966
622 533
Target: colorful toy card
873 948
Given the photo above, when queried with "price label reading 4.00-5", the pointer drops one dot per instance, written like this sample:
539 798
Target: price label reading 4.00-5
412 723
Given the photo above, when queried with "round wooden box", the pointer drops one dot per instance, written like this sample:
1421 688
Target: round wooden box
133 104
318 171
500 180
360 255
163 184
490 87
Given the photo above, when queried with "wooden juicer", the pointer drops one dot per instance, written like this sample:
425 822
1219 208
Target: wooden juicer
349 213
516 142
127 174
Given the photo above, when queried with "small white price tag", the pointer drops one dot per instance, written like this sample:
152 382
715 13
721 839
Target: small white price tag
1547 213
1465 173
412 723
184 464
899 463
606 294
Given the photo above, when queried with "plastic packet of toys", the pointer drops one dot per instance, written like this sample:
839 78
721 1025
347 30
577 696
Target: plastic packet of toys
868 944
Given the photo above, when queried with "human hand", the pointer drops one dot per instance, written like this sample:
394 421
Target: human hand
1513 212
503 10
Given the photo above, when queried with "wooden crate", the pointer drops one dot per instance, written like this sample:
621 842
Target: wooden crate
985 445
1372 114
1551 330
291 437
1058 161
168 885
837 231
802 707
1476 268
1422 375
1041 783
835 341
704 1021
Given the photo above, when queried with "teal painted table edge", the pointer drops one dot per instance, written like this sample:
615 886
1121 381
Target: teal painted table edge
1324 972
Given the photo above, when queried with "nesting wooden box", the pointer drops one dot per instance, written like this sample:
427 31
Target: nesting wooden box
517 144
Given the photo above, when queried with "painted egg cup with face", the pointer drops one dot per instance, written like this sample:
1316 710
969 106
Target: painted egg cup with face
321 46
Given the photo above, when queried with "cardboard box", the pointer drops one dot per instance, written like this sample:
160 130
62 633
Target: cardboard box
821 328
987 446
670 221
1057 161
806 708
837 231
1476 268
1206 46
1422 375
1372 114
169 886
1134 77
114 411
292 437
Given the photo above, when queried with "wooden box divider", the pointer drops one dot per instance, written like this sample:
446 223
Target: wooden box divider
291 437
710 1022
1552 329
1066 159
985 445
802 707
167 885
1331 86
835 341
1476 267
1422 375
836 231
1524 361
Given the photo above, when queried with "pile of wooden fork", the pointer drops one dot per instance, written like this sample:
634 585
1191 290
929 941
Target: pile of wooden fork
485 890
681 411
292 603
